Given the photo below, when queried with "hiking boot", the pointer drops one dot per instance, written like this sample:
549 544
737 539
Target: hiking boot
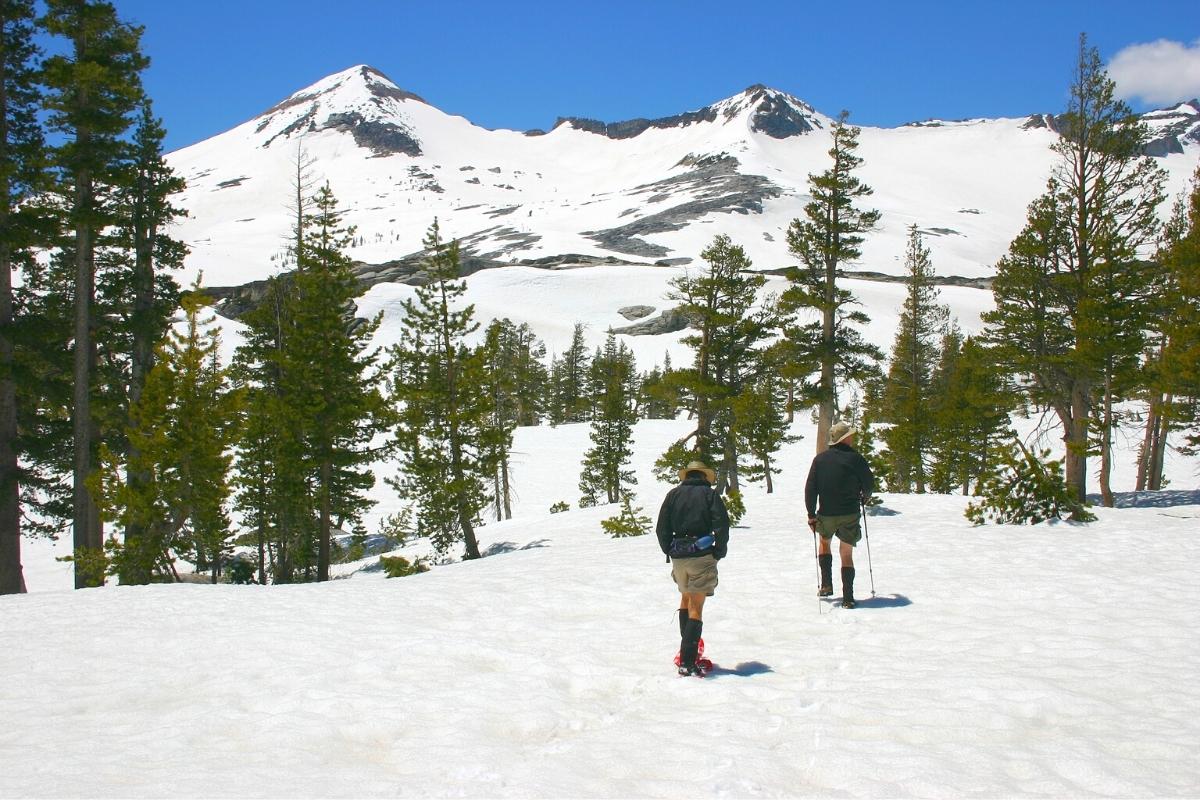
825 562
848 587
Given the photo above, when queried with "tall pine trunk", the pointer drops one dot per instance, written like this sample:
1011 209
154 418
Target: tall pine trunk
323 542
12 578
1106 495
81 523
825 409
1075 425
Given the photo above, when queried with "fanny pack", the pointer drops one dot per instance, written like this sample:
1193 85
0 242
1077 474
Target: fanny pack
691 545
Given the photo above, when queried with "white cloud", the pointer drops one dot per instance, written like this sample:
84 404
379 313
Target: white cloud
1158 72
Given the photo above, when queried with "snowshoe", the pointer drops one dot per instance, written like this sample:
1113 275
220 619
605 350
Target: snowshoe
699 654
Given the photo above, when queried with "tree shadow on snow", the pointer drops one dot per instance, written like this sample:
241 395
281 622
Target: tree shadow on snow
884 601
499 548
745 669
1163 498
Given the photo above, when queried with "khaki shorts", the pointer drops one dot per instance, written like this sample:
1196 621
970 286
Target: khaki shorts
843 526
697 574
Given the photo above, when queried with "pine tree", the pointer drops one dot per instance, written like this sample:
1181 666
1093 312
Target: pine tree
970 415
444 434
605 472
330 372
135 292
1179 255
93 92
182 427
1070 294
569 377
501 360
909 389
732 336
21 178
762 426
827 238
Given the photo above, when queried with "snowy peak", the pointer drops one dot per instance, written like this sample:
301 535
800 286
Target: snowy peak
361 101
773 112
765 110
1172 129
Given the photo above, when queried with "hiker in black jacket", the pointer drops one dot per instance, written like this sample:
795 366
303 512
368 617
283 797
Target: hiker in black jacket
693 532
841 480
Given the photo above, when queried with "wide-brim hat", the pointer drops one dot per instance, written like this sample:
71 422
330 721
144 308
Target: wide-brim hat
840 432
698 466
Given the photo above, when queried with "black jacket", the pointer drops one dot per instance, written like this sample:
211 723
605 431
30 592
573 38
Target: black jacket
693 509
840 479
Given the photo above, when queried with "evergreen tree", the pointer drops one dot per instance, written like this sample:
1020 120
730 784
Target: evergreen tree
762 426
93 91
1179 255
729 344
605 472
444 433
21 178
828 237
970 415
501 363
569 379
909 388
331 374
182 427
1070 294
135 293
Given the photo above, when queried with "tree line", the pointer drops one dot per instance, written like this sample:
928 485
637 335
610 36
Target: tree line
116 407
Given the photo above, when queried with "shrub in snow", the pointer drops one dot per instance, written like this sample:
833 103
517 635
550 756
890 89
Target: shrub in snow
560 507
241 570
1026 489
630 522
399 566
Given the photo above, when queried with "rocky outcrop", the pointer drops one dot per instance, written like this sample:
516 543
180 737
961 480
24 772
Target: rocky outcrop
777 116
715 186
381 138
668 321
633 127
635 312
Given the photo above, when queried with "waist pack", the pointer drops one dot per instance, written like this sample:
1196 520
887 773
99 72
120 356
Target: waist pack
691 545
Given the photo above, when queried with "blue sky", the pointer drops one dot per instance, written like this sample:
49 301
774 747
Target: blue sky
521 64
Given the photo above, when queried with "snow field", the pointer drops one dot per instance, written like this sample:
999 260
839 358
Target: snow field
1046 661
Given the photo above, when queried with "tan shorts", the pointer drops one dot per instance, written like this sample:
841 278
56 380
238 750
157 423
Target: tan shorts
697 574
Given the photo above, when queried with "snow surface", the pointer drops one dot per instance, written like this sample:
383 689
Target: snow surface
1049 661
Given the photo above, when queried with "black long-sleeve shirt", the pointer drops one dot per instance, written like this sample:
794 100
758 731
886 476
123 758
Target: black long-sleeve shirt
840 479
693 509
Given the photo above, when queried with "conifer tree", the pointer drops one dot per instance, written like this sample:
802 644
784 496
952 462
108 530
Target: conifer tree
21 178
444 434
502 360
1070 294
182 427
729 344
762 426
135 291
605 474
909 389
331 373
93 91
1180 341
569 379
825 240
970 415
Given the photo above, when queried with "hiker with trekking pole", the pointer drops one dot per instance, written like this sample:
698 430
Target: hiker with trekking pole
839 484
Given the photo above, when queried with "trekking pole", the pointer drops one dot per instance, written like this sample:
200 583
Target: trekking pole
867 534
817 562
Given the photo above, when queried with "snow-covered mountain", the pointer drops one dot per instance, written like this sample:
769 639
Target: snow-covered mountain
589 192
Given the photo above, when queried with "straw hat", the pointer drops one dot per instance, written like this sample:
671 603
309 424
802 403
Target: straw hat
840 432
698 466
